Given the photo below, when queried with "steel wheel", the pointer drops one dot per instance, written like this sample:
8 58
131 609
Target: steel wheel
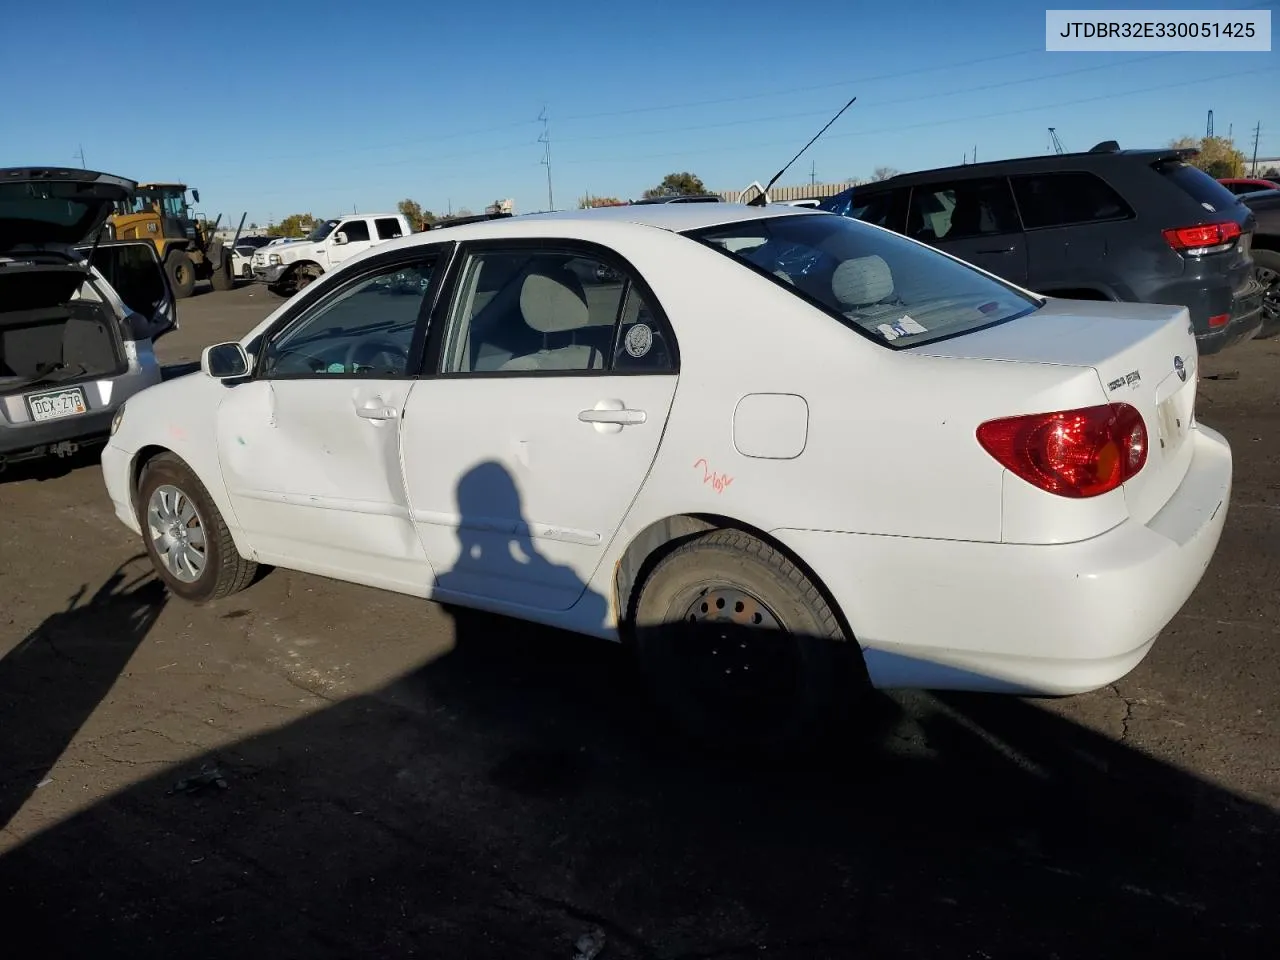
177 532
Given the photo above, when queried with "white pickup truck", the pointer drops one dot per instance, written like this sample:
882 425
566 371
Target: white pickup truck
286 268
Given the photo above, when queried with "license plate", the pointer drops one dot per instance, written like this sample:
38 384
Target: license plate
56 404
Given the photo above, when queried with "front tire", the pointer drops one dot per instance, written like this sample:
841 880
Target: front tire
720 606
185 536
182 274
222 278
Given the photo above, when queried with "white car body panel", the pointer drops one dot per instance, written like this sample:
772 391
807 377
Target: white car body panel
949 570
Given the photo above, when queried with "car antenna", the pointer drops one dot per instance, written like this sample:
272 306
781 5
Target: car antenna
762 198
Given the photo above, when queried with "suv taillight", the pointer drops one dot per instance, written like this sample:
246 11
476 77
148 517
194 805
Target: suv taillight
1203 238
1071 453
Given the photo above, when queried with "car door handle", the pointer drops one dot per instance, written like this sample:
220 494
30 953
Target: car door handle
377 413
997 250
622 417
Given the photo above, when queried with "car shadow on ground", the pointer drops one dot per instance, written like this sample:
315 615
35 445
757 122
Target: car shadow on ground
54 679
519 793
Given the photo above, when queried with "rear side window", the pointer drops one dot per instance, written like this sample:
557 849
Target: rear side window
1062 199
962 210
388 228
356 230
869 206
1197 184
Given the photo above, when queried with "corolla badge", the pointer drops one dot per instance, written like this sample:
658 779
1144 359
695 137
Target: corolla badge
1180 369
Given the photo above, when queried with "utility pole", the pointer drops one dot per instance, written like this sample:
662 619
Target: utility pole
813 172
1257 132
545 139
80 156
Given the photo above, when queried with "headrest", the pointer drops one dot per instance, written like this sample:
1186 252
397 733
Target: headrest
552 303
862 281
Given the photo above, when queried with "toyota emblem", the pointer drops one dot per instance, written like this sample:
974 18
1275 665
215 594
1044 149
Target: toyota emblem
1180 368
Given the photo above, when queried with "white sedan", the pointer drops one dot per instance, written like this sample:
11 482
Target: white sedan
663 423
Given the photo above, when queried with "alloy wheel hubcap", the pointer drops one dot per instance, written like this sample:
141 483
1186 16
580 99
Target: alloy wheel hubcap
177 533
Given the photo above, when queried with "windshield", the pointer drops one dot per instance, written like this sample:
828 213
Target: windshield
322 231
898 292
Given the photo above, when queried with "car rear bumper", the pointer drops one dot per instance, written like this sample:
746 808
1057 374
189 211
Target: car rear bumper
1243 307
22 438
1033 620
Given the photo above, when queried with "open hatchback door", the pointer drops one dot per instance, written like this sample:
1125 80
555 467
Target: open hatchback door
77 315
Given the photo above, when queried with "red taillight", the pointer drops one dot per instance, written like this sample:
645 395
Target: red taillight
1203 238
1072 453
1219 320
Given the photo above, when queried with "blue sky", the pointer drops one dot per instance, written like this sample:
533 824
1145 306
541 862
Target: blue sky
439 102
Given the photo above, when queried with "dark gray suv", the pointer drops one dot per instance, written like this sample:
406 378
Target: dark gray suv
1110 224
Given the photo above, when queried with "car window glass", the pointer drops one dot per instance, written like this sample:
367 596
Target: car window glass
1061 199
356 230
536 311
388 228
900 293
1198 185
364 331
961 210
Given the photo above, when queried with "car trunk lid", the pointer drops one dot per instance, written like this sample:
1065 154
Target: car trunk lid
56 206
1144 355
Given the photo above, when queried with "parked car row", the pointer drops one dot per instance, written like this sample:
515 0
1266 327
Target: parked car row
1115 225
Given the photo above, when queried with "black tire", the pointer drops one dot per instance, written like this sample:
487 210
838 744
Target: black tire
670 645
304 276
222 278
1266 267
224 571
182 274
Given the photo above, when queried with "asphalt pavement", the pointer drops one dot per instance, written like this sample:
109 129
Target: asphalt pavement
314 769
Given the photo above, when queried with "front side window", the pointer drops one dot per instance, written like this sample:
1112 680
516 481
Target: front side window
365 330
355 230
548 312
962 210
900 293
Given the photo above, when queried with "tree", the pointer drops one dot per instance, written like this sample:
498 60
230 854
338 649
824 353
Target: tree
677 185
253 226
588 202
412 210
883 173
294 225
1218 156
464 212
1271 173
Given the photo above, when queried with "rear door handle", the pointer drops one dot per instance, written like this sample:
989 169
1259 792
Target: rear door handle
998 250
377 413
621 417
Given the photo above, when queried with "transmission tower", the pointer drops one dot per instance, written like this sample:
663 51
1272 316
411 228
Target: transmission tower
1208 126
545 140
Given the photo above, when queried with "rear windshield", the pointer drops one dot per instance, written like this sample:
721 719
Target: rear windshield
1198 185
898 292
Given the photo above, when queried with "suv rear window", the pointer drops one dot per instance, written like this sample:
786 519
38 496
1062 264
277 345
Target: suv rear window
1197 184
898 292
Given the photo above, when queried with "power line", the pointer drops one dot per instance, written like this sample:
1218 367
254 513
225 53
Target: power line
915 98
936 123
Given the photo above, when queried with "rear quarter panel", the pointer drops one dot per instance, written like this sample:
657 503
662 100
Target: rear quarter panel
889 445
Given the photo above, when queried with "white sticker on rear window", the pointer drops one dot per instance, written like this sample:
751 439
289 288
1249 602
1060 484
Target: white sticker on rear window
639 340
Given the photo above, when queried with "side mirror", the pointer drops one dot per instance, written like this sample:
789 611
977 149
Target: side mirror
339 238
224 361
195 195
